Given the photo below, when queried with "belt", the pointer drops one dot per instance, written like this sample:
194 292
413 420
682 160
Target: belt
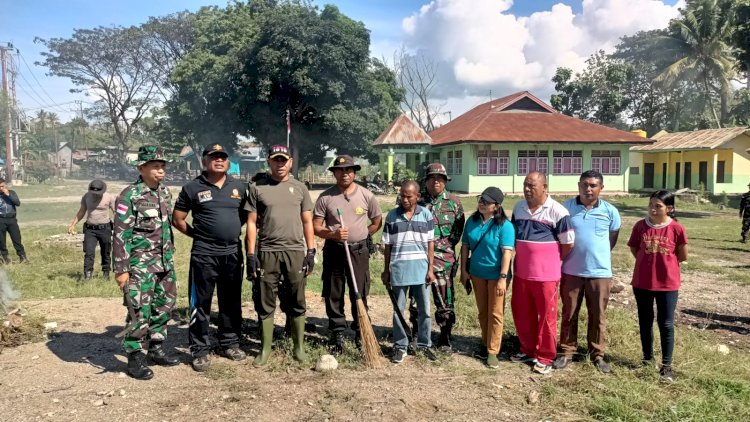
353 246
97 226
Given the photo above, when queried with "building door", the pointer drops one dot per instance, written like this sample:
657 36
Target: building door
676 175
703 173
648 175
688 176
663 175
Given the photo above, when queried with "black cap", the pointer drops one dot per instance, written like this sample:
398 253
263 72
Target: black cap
97 185
344 162
215 148
278 151
493 195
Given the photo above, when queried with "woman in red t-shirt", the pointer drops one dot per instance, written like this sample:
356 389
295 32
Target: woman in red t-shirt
659 244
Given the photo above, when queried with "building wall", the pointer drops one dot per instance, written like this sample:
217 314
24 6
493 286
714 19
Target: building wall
470 181
733 154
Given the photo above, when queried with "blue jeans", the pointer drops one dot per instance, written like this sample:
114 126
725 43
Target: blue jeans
424 321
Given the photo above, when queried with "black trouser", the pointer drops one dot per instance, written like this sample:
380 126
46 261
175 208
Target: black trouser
666 303
225 273
10 225
100 234
281 278
337 278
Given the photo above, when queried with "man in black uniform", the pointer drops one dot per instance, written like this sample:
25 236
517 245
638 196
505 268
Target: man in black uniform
217 202
745 214
8 223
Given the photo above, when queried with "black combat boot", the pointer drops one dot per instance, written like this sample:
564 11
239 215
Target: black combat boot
137 367
744 238
24 259
105 275
160 356
336 343
87 275
4 259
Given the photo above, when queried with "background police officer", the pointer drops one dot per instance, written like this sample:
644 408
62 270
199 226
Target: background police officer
9 224
143 250
96 205
745 214
217 203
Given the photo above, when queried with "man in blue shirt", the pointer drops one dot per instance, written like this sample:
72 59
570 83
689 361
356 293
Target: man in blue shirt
9 224
587 270
408 236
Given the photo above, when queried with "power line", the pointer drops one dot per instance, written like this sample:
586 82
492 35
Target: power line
37 99
51 105
34 76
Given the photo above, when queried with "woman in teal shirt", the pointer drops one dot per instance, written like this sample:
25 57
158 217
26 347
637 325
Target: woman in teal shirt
490 238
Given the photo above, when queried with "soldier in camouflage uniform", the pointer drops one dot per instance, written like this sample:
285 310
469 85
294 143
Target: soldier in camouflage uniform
745 214
143 248
449 226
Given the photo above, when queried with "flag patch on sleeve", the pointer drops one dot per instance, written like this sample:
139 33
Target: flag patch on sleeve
122 208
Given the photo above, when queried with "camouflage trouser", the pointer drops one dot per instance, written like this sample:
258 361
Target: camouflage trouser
745 225
152 296
444 315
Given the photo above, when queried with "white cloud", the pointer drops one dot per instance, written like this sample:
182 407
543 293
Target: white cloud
480 46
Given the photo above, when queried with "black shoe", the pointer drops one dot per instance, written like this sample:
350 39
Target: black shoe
105 275
137 367
4 260
398 356
159 356
428 353
561 362
24 260
336 343
233 353
743 240
87 275
666 374
358 340
602 366
480 353
201 363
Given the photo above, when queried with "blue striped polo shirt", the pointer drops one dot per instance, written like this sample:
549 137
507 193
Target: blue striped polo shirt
409 241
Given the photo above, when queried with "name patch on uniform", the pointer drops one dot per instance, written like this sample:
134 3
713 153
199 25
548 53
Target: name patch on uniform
122 208
359 211
235 194
204 196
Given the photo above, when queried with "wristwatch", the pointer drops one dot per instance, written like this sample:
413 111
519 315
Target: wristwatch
503 275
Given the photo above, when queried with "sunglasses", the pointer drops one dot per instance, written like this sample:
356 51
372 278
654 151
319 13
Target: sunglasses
95 189
280 159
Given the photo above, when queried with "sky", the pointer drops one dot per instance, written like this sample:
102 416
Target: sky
483 48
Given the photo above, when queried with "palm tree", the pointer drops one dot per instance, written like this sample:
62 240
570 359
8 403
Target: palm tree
699 43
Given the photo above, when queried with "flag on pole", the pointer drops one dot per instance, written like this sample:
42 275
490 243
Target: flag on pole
288 126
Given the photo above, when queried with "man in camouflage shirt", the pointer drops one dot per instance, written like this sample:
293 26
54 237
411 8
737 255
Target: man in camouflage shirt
449 218
745 214
143 248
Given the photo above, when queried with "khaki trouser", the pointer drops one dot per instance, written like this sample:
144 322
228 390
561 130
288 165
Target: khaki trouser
572 291
491 308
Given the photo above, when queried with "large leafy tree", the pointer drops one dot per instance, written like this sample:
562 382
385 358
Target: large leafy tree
252 63
741 37
699 42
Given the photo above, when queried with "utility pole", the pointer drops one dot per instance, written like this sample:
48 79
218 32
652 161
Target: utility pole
4 55
83 132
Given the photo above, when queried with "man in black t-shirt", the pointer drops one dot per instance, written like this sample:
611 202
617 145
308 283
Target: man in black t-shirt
217 202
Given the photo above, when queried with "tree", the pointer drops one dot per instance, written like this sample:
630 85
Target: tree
417 77
113 65
699 41
741 38
741 109
284 57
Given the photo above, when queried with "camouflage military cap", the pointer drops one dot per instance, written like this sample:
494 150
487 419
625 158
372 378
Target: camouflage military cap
436 168
148 153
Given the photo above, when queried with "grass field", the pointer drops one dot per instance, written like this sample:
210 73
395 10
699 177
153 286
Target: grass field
709 386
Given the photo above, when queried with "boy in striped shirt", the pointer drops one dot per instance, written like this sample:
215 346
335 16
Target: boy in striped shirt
408 238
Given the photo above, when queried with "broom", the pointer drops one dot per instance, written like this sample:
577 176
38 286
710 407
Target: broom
370 347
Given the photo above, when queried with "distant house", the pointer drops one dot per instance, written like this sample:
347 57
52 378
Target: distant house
716 158
497 143
405 141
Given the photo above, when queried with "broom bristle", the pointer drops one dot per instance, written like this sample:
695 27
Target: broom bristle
370 348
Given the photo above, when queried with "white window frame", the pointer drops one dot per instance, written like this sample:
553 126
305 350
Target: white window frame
486 159
530 160
606 161
567 162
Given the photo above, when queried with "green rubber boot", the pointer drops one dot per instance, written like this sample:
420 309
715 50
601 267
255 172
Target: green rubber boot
266 341
298 336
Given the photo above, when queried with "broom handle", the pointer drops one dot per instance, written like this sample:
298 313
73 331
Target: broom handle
348 257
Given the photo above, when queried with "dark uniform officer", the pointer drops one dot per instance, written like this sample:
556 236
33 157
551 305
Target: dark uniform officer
745 214
143 251
279 222
9 224
362 216
217 203
96 205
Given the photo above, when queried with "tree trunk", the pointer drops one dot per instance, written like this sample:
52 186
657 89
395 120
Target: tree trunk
747 75
710 102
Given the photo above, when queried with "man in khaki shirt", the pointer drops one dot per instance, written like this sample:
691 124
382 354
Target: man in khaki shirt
97 205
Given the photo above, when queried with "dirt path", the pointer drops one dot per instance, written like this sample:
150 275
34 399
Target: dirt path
78 375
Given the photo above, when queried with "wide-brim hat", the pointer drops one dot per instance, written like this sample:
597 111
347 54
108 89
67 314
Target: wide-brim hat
148 153
344 162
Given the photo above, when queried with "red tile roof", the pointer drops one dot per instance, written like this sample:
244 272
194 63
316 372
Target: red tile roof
522 117
403 131
696 139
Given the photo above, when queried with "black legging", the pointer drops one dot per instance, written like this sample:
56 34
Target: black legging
666 303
